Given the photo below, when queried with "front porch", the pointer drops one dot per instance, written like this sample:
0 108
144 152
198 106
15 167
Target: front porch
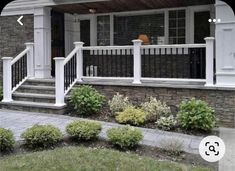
167 48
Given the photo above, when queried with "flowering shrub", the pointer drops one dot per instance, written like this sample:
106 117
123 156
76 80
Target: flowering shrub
166 123
154 109
118 103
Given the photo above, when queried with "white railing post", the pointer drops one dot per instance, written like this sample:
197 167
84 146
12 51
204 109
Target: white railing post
7 84
79 53
30 59
137 61
59 81
209 61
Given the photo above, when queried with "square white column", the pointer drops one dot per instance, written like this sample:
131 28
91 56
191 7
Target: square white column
42 40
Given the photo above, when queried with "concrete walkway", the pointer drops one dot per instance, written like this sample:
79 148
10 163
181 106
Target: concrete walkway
18 122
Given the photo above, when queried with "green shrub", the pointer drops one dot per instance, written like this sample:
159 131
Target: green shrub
118 103
131 116
125 137
83 130
166 123
7 140
42 136
196 115
86 100
154 109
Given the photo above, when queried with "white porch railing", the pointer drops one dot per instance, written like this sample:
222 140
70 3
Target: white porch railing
17 70
187 62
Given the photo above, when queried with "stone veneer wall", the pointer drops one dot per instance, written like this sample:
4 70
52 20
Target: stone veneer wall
13 36
223 101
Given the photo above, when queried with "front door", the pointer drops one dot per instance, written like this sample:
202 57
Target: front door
57 37
201 26
85 32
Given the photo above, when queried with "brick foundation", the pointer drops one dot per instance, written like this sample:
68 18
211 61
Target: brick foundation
223 101
13 36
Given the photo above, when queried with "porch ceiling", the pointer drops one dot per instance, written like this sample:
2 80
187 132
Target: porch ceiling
108 6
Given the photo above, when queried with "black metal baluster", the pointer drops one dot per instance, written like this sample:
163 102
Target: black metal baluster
160 62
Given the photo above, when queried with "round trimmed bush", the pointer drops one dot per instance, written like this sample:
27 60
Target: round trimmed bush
7 140
83 130
132 116
166 123
196 115
86 100
125 137
42 136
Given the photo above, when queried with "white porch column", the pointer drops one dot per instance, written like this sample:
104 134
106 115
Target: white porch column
209 61
30 59
7 83
79 60
137 61
225 47
59 81
42 39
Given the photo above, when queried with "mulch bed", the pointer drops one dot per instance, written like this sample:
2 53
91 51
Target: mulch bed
104 115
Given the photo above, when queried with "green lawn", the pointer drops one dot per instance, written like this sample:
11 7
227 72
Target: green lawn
86 159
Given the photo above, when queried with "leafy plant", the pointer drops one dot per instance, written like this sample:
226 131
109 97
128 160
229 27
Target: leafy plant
7 140
118 103
83 130
86 100
166 123
154 109
42 136
131 115
125 137
196 115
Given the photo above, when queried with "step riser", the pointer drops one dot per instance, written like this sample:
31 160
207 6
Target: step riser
34 99
40 84
35 91
33 109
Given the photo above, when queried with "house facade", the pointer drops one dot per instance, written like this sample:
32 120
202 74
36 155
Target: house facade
173 50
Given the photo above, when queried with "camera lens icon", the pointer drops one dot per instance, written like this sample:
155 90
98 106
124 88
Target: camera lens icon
212 148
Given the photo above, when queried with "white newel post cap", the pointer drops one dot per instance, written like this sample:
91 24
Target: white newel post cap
7 58
78 44
58 58
209 39
137 42
29 44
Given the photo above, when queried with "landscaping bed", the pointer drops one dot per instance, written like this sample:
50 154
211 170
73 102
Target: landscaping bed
193 117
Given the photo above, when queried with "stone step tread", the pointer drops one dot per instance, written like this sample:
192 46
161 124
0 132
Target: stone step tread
38 87
34 95
41 80
34 104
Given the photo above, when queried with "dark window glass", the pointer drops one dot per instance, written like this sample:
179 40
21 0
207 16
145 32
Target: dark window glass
128 28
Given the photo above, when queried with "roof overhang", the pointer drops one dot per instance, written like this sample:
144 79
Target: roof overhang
108 6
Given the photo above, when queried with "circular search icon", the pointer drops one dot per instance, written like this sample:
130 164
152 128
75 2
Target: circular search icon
212 148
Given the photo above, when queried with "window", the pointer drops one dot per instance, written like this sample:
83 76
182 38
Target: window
177 27
103 30
128 28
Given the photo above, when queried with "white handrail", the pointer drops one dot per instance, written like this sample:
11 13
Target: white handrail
19 56
107 47
67 59
174 46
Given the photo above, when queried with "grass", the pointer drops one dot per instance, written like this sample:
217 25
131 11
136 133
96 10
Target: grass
87 159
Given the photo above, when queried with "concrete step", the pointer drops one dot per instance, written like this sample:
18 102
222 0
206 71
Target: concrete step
33 107
32 97
36 89
40 82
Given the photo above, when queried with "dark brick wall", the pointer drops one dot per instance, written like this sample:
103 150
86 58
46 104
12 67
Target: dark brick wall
13 36
222 101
